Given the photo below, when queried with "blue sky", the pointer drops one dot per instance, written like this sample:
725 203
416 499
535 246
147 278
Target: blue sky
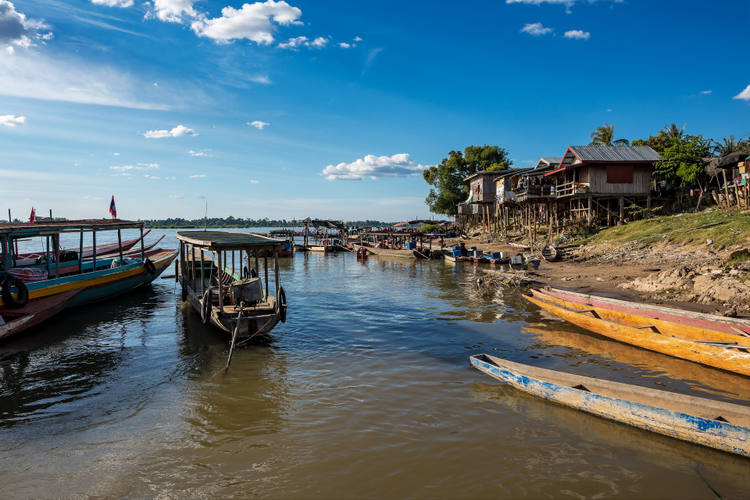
331 109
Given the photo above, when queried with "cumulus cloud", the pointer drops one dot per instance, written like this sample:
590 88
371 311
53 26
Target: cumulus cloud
262 79
744 95
178 131
398 165
536 29
151 177
114 3
706 92
199 153
139 166
357 39
172 11
302 41
345 45
254 181
16 28
197 176
253 22
577 34
12 121
258 124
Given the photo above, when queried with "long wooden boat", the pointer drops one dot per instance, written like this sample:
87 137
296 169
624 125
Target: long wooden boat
719 425
670 314
16 321
391 252
233 301
711 351
321 248
28 259
640 318
452 259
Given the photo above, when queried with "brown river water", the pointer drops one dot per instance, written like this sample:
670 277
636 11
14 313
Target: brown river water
365 392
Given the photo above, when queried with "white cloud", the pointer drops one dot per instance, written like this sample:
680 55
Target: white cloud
254 181
200 152
59 78
151 177
115 154
197 176
148 165
706 92
577 35
345 45
172 11
357 39
170 178
262 79
253 22
12 121
139 166
536 29
744 95
178 131
176 196
258 124
302 41
114 3
398 165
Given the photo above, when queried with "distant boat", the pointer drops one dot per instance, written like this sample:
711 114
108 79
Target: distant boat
15 321
719 425
392 252
727 351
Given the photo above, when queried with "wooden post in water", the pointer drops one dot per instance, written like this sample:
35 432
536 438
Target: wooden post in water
143 246
9 219
119 245
276 271
80 253
93 235
203 283
56 239
265 269
218 279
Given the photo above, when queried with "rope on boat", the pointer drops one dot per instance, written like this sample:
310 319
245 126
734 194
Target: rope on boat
234 337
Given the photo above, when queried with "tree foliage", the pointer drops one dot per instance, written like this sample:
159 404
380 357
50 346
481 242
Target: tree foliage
730 145
682 161
605 136
447 178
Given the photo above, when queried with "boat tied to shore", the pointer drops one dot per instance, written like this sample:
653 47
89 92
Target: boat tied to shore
715 424
219 277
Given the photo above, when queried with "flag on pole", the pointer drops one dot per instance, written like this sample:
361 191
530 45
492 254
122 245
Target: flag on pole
32 217
112 208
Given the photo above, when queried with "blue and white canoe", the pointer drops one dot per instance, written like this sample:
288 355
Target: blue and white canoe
724 426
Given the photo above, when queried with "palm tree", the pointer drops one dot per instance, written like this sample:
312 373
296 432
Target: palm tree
603 136
674 132
731 145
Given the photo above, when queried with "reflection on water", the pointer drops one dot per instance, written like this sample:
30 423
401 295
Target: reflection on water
365 391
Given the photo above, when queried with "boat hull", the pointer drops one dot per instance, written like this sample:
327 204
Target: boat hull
734 360
579 393
388 252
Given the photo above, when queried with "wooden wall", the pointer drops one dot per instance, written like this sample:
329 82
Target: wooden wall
597 178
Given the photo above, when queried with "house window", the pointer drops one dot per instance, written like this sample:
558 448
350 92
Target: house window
617 174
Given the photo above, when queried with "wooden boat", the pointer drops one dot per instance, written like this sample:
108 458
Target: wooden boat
711 349
392 252
15 321
425 253
719 425
321 248
94 280
452 259
231 298
288 236
30 259
670 314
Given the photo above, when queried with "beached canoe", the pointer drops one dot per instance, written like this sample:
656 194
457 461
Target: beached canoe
719 425
639 318
452 259
390 252
730 356
679 316
15 321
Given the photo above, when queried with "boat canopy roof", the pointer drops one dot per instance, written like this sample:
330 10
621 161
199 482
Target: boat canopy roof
222 240
282 232
68 226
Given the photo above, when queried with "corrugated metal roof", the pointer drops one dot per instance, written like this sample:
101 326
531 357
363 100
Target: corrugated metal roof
548 161
615 153
226 240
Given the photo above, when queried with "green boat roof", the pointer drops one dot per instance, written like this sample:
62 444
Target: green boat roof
223 240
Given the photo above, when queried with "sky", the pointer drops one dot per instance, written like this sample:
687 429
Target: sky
332 109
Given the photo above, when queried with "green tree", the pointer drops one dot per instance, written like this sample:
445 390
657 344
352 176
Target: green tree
673 132
730 145
604 136
447 177
682 162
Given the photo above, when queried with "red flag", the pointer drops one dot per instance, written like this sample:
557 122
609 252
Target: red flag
32 217
112 208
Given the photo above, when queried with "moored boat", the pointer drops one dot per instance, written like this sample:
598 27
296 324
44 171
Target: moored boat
15 321
712 349
231 298
287 235
719 425
401 253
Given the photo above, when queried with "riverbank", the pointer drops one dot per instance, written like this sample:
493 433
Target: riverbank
697 261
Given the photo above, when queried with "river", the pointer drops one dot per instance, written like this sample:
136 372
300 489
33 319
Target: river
365 392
